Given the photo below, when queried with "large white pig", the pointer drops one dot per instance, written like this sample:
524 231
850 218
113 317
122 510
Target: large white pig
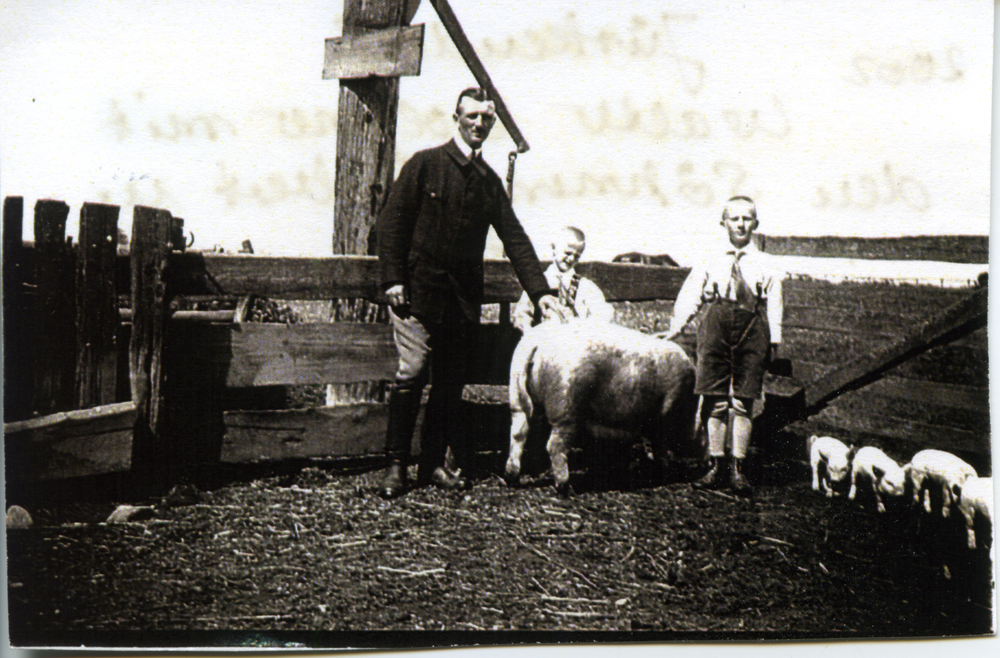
974 496
830 460
936 468
604 379
885 476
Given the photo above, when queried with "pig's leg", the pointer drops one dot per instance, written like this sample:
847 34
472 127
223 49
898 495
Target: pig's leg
854 484
879 505
945 500
917 479
558 446
519 429
969 512
814 462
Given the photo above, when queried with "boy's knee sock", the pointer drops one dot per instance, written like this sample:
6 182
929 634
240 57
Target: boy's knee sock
716 425
742 427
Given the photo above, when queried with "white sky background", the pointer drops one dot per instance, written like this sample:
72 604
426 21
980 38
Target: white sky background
839 118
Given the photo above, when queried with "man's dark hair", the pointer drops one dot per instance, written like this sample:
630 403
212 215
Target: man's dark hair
475 93
739 197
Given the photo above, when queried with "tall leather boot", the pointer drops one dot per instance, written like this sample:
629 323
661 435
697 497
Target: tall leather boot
440 423
404 405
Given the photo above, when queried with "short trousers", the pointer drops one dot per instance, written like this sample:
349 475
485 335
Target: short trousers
732 350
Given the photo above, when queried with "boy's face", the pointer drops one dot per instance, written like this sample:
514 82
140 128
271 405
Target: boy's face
740 222
566 252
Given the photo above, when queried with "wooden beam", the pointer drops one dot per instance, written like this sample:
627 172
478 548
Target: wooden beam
391 52
366 133
18 374
96 306
149 254
260 436
457 34
962 318
70 444
264 354
348 431
942 248
53 331
357 276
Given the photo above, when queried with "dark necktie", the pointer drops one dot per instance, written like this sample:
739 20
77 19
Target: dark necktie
737 288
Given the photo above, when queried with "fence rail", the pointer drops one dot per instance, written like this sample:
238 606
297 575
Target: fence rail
87 327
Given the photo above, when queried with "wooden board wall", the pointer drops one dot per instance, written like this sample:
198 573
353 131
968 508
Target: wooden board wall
939 399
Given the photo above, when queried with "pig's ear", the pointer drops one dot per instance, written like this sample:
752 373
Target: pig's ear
879 472
956 490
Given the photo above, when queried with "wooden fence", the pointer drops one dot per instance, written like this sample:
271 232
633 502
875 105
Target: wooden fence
149 362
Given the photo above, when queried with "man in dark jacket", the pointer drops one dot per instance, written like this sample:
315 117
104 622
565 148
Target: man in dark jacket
431 238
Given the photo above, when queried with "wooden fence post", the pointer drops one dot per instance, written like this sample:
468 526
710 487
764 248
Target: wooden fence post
150 250
17 372
96 306
53 333
366 133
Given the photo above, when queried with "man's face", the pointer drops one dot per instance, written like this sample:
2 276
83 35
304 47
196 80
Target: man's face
475 120
566 253
740 222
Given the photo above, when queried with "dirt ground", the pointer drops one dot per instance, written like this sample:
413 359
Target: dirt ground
315 551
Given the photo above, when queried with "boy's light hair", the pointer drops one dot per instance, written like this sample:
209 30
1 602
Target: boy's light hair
739 197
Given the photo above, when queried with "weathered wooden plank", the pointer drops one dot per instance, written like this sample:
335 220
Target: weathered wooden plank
18 375
874 323
925 392
920 435
346 431
348 276
966 316
963 361
96 306
457 34
945 248
149 254
70 444
903 299
390 52
341 352
255 436
53 331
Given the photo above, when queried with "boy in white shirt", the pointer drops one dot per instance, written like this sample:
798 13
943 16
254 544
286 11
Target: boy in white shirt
738 335
578 297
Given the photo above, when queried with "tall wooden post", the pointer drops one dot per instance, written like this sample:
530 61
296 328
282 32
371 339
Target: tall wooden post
17 374
149 254
366 131
54 327
96 306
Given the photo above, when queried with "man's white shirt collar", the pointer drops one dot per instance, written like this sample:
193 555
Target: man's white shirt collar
463 147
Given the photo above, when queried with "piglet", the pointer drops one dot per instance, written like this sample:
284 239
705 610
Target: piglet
974 495
885 475
834 456
936 468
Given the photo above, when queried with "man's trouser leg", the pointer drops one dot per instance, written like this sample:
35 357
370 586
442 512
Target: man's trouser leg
444 424
413 343
715 412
